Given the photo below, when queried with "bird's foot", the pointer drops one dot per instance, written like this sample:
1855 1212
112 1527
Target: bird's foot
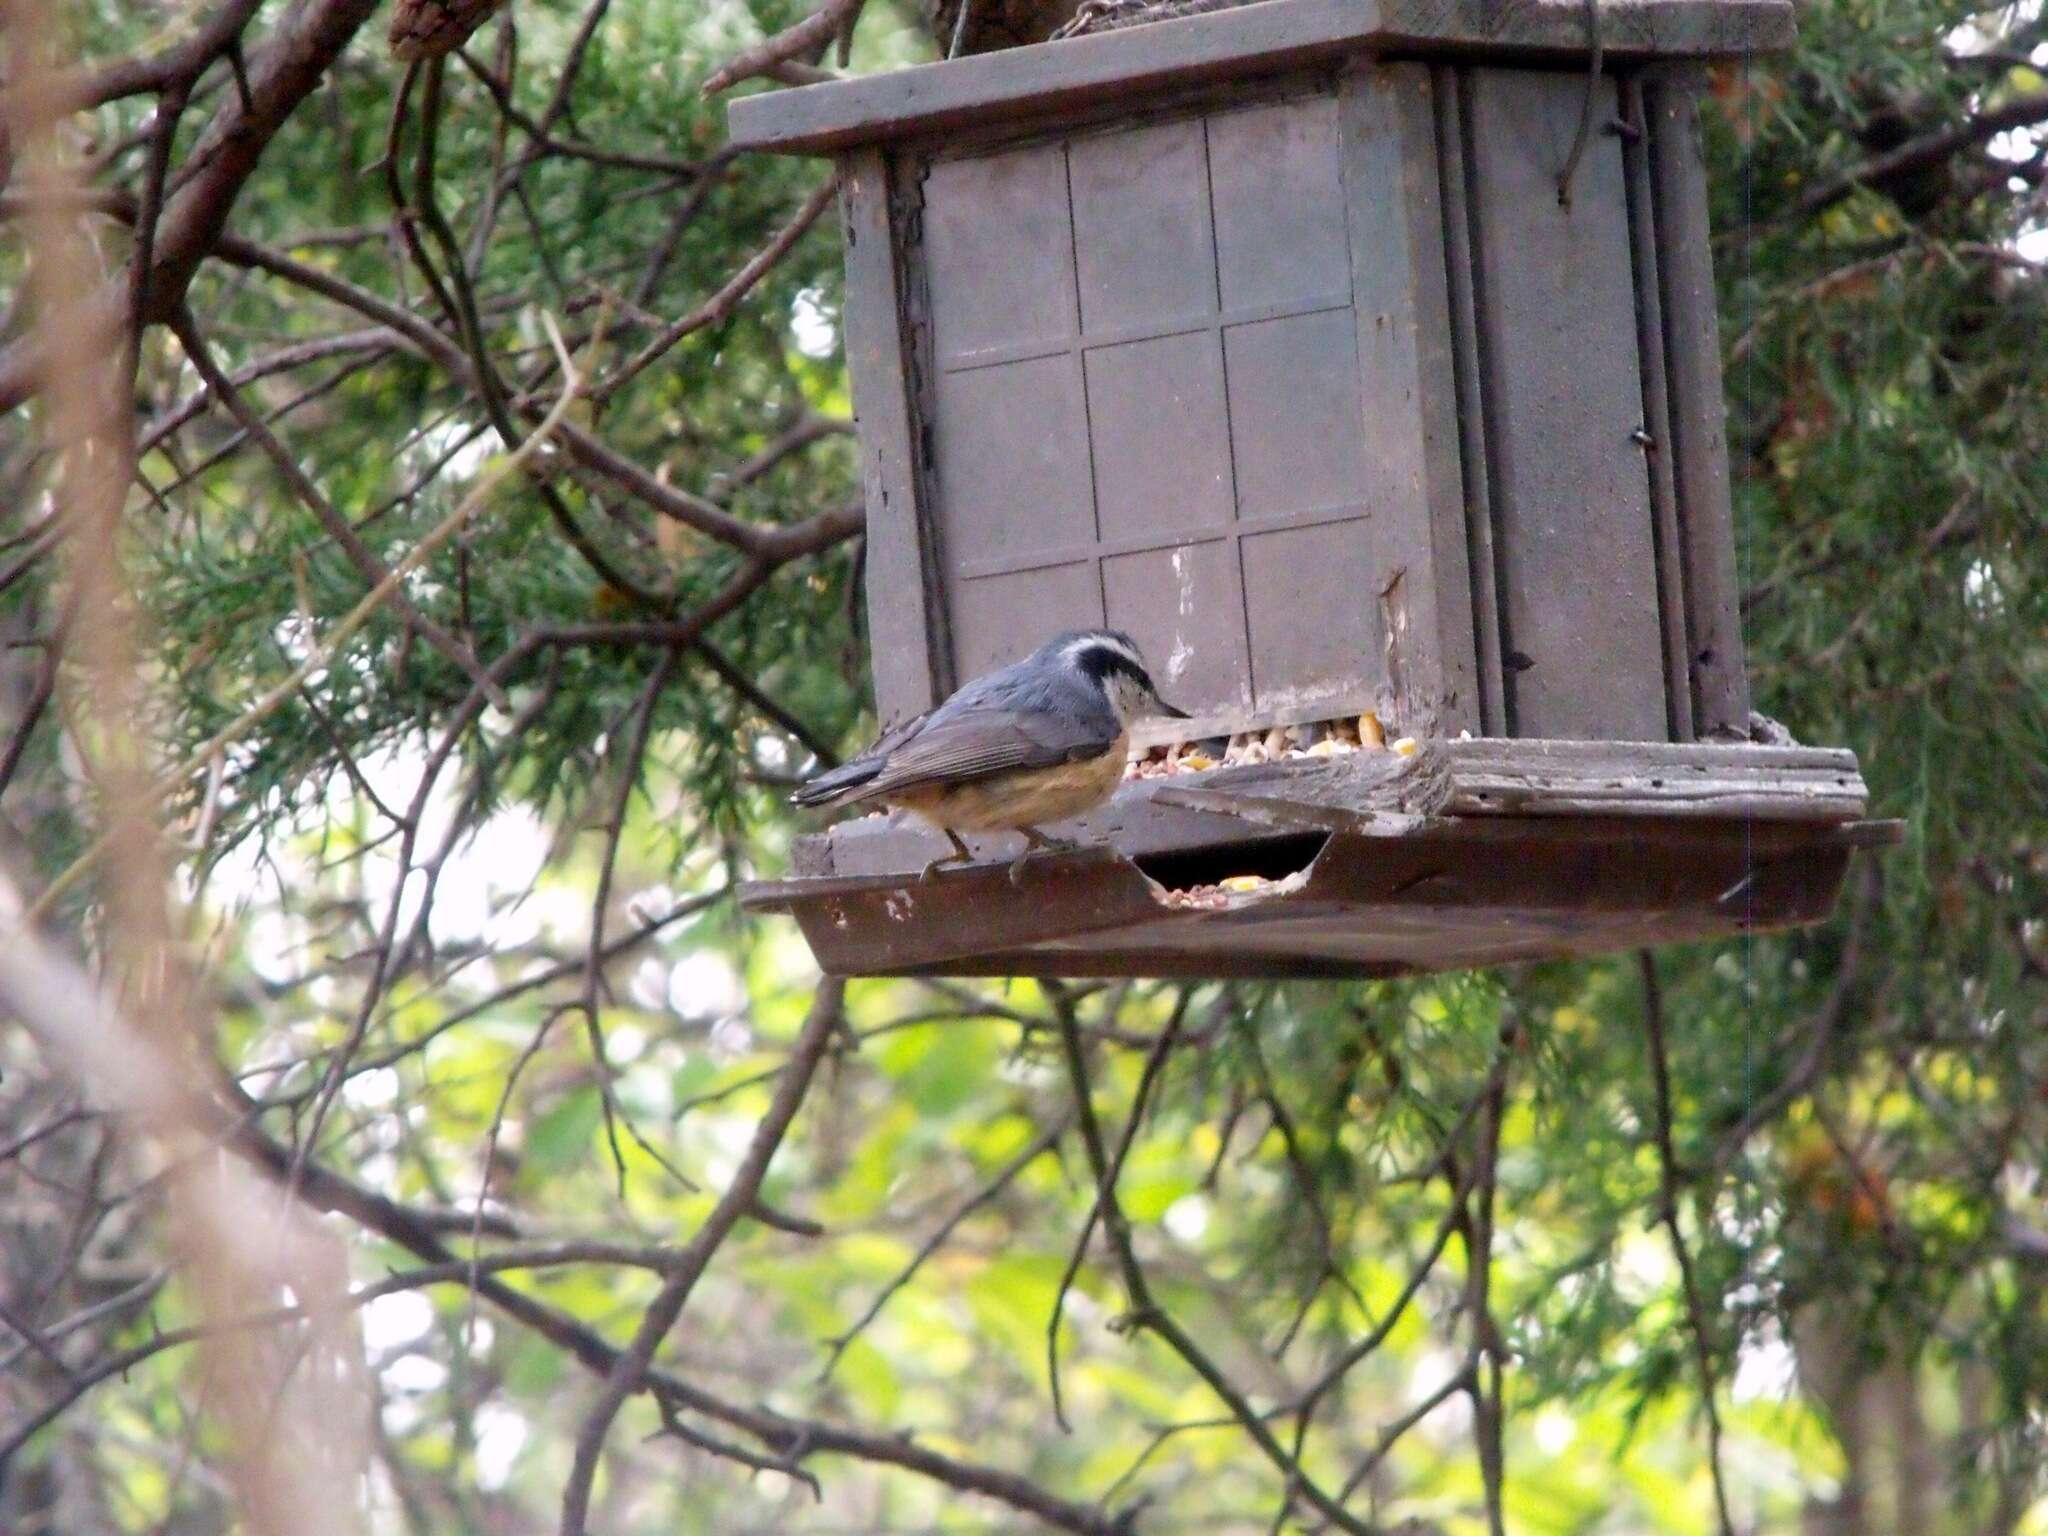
961 854
1035 842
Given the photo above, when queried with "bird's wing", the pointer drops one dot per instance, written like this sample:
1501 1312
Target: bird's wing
840 784
977 743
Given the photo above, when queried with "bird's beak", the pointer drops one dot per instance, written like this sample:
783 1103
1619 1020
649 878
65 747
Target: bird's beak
1169 711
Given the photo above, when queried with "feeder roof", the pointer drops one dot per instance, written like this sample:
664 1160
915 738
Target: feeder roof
1262 38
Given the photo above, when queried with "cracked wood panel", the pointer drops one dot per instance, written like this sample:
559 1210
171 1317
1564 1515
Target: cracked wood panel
1640 787
903 627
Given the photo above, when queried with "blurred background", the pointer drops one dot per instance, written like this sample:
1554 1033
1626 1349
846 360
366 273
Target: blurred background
385 1056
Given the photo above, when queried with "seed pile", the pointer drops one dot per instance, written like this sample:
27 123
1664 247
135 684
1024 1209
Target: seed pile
1320 738
1218 897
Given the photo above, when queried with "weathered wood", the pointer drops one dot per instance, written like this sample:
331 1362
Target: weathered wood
1699 410
1482 778
1650 344
1276 35
1507 779
1571 519
1709 780
1461 293
1645 756
1401 895
1410 401
902 624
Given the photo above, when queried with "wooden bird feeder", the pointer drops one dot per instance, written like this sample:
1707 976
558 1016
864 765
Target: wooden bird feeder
1353 355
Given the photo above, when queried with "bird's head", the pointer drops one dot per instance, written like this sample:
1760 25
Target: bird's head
1109 660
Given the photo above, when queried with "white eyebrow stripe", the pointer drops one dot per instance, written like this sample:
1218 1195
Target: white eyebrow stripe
1101 642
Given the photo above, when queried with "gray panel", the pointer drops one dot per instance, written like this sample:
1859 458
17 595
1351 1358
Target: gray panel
1280 235
904 631
1311 596
1650 343
1141 227
1410 423
1699 409
1461 307
1012 465
1294 413
1181 606
999 250
1572 519
1160 439
1000 619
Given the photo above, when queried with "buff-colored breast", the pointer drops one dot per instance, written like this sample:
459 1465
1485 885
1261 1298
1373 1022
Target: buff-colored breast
1029 798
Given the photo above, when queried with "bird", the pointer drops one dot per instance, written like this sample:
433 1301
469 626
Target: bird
1037 741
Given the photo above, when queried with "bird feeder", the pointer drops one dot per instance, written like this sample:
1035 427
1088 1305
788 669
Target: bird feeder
1353 356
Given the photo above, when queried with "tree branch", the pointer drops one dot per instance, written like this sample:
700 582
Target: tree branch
628 1372
1667 1214
1927 150
306 42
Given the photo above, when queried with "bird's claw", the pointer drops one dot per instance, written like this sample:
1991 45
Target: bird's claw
1035 842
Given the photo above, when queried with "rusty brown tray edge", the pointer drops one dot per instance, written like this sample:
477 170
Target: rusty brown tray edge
1265 37
787 894
1473 892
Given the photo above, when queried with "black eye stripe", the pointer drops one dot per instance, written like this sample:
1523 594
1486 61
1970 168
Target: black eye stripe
1099 661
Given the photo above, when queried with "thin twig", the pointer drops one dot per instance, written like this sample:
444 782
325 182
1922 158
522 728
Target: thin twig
628 1373
1667 1214
799 43
1145 1311
1155 1061
1039 1145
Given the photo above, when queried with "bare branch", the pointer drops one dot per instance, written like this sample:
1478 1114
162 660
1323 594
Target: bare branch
800 43
1928 149
628 1373
289 68
1145 1311
723 302
1667 1214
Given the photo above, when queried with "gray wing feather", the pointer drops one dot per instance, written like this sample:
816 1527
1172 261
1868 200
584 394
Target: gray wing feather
1016 718
977 743
842 785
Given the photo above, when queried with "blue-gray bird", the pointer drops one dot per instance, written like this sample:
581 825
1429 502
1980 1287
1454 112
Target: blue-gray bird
1040 740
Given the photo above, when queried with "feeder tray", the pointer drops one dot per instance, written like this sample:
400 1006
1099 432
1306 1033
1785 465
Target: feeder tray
1467 853
1354 356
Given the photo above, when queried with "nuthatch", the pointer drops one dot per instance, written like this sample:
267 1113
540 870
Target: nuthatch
1039 740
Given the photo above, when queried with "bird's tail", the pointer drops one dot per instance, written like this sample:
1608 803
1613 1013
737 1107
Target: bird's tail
845 781
836 784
